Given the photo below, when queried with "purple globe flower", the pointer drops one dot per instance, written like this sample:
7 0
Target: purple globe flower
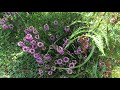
11 26
71 65
47 66
47 57
26 31
29 37
52 38
40 71
50 72
33 46
36 55
25 49
32 51
39 61
55 22
33 42
5 26
69 71
63 63
46 27
2 22
55 62
78 50
40 44
59 61
74 61
37 37
21 44
35 31
60 50
66 59
25 40
53 68
67 29
31 28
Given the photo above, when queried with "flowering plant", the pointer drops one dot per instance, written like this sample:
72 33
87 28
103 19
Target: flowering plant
55 57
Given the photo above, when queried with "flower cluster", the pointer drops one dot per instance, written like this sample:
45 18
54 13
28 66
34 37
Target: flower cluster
4 22
5 25
57 56
49 70
62 58
32 38
66 62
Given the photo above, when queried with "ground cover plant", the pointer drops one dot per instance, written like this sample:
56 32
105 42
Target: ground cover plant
59 44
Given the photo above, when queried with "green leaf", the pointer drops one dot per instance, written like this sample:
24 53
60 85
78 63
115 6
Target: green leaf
98 42
78 31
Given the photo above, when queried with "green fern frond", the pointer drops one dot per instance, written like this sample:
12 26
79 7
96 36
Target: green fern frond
97 39
78 31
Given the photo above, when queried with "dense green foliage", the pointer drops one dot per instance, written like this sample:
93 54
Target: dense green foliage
103 57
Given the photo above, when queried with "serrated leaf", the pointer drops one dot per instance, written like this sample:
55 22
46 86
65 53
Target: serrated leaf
78 31
98 42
